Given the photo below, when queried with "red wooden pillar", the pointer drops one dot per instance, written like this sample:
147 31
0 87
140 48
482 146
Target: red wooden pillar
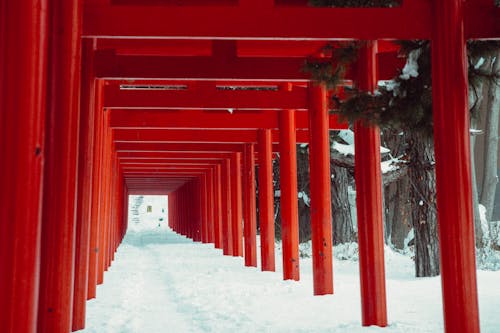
236 202
192 215
199 193
170 210
96 191
60 185
85 173
321 216
188 220
227 235
23 45
289 198
369 203
187 226
203 191
453 173
250 227
218 207
266 200
104 198
211 204
181 212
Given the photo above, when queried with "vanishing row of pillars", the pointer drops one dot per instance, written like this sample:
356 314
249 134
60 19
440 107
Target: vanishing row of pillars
209 208
62 212
61 195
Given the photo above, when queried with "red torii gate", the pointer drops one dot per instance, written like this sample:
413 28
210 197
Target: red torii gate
40 118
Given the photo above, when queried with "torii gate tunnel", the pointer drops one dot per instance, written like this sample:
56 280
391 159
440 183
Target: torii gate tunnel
105 98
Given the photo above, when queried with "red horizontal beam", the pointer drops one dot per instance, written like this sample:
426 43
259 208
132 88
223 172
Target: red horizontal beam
171 168
208 98
145 161
149 191
411 21
156 47
226 68
178 147
136 119
192 136
165 174
185 156
173 155
110 66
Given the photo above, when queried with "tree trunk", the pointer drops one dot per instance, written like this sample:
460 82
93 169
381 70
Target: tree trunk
478 230
490 178
476 105
397 212
397 206
423 195
343 229
304 193
277 207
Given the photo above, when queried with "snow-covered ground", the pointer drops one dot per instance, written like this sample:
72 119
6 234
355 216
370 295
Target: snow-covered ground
163 282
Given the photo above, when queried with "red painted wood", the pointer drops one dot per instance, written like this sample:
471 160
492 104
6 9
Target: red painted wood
205 99
298 22
211 204
321 216
250 212
236 205
218 207
197 135
136 119
197 191
96 192
85 174
289 204
157 47
104 207
369 204
227 234
204 208
23 45
453 173
180 147
174 155
267 69
60 179
266 201
113 67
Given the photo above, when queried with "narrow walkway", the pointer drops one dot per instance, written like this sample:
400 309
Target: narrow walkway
162 282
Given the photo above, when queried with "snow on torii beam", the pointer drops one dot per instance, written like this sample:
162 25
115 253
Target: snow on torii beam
413 20
137 119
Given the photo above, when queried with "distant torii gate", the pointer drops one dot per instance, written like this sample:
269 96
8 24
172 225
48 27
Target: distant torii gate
64 173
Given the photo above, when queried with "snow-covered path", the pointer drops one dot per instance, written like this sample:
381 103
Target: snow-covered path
163 282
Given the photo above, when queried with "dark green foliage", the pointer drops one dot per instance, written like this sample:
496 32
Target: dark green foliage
406 102
355 3
341 56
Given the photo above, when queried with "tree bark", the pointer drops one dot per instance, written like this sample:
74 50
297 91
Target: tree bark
490 178
303 188
478 230
476 105
343 229
397 212
423 195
